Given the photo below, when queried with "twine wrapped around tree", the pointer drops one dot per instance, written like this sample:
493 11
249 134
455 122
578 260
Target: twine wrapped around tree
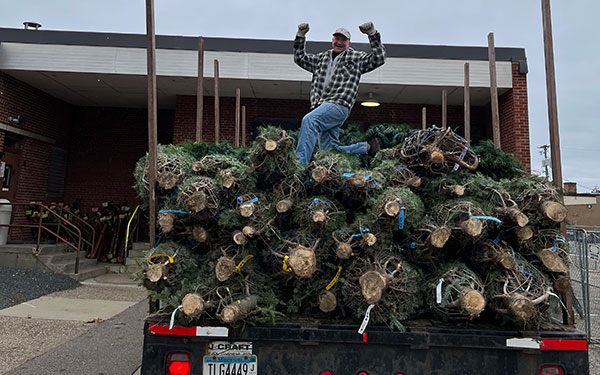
538 199
438 151
173 165
199 195
319 215
455 292
325 171
397 174
465 218
550 248
519 294
272 155
389 282
396 208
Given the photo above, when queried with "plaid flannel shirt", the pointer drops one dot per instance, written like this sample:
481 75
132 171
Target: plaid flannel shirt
343 86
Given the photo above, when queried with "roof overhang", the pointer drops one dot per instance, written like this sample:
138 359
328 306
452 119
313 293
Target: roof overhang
98 69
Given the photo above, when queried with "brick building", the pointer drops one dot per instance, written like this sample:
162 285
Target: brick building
73 104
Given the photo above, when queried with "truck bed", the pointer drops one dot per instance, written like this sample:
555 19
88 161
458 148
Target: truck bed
340 349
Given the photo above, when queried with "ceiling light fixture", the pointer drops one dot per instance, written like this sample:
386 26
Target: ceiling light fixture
370 102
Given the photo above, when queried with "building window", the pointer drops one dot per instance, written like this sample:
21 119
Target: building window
57 171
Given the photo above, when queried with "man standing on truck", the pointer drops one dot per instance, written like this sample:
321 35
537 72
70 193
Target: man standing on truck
336 75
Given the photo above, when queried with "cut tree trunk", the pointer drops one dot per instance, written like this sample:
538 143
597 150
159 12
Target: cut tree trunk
284 205
554 211
392 208
239 309
343 250
439 237
239 238
327 301
157 272
165 221
472 227
200 234
473 302
225 268
320 174
303 262
193 305
525 233
372 285
552 260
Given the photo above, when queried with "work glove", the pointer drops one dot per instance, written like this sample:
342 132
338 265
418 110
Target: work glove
302 30
367 28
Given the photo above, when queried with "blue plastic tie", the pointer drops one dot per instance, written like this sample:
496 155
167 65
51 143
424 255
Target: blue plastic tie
347 175
308 181
401 218
556 242
239 201
461 157
158 241
411 245
175 211
486 218
499 237
317 200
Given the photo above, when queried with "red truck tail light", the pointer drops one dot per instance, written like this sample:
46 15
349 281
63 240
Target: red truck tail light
551 370
326 373
179 363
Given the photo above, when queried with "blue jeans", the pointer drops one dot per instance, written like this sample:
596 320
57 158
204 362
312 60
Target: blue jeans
323 124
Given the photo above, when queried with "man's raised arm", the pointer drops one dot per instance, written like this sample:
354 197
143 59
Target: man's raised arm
306 61
376 57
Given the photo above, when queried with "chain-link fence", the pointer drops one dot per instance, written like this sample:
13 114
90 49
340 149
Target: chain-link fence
585 279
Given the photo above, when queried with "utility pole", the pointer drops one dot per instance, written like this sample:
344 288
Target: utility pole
551 91
545 162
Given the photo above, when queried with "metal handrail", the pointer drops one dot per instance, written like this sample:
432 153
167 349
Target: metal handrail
73 215
41 227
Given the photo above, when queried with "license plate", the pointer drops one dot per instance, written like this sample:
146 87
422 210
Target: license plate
230 365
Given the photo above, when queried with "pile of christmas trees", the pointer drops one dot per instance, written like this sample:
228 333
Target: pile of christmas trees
429 227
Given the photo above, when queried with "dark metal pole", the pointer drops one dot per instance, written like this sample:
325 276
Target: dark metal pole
444 108
551 91
200 90
424 118
494 91
237 117
217 118
151 61
467 105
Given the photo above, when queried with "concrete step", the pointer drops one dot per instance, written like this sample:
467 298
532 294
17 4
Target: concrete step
130 268
63 257
88 272
68 266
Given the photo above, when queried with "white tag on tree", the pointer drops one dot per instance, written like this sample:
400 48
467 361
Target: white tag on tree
438 292
365 321
180 307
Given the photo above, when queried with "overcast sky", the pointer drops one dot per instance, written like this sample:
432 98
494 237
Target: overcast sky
515 23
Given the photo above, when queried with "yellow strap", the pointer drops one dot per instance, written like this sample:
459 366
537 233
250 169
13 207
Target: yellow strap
160 255
335 278
506 249
128 224
247 258
286 268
